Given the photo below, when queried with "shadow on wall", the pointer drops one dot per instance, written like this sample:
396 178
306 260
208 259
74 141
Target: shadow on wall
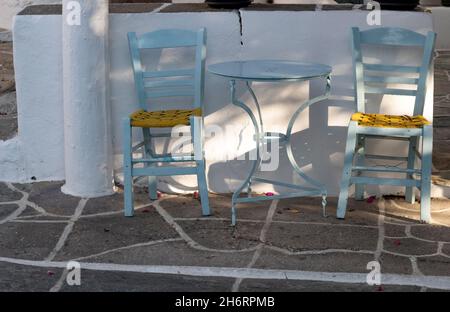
312 131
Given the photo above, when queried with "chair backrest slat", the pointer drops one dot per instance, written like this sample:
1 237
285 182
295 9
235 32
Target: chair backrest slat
168 38
391 91
399 80
169 73
392 36
373 78
391 68
169 83
170 93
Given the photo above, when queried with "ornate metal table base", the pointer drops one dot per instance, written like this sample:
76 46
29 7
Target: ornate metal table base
316 187
273 71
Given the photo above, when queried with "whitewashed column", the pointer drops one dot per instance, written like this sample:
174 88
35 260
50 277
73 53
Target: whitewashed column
87 133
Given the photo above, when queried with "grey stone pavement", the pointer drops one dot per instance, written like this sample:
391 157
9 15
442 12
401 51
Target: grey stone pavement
281 245
441 119
8 106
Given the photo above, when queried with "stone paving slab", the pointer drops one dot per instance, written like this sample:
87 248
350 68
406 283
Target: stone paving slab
441 82
96 281
410 246
6 70
39 223
95 235
8 127
441 119
19 278
441 161
446 249
188 207
29 240
175 253
442 101
29 212
300 237
396 264
434 265
308 286
6 194
49 195
329 262
309 209
441 134
394 230
441 111
8 103
220 235
442 146
432 233
114 203
6 210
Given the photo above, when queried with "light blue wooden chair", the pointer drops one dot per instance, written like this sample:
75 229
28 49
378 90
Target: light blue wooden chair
373 79
165 83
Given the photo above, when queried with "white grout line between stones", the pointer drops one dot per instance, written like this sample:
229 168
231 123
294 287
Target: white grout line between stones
317 252
59 284
68 229
278 221
381 229
262 239
436 282
192 243
130 247
38 221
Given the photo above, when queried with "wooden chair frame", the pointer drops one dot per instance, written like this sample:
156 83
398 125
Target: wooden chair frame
357 134
189 82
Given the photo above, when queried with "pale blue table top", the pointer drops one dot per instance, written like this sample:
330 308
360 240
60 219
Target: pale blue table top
269 70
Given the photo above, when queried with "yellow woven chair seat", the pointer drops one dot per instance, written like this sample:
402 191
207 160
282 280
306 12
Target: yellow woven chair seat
389 121
162 119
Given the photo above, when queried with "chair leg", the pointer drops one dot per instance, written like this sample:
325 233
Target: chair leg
197 138
347 171
127 169
152 180
203 188
425 189
359 187
409 191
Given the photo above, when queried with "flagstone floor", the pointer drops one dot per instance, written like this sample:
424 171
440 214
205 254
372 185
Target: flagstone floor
441 119
281 245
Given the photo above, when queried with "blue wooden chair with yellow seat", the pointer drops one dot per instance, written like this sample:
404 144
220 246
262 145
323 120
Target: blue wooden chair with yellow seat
150 85
373 78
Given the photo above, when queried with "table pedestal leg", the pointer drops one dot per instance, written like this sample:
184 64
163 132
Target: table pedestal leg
317 187
257 162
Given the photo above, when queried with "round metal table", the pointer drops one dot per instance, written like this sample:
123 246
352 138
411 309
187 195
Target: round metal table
273 71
